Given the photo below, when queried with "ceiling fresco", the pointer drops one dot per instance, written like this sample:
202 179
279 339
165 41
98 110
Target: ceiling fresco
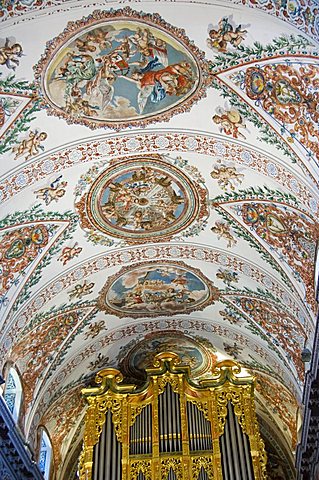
152 289
142 199
159 190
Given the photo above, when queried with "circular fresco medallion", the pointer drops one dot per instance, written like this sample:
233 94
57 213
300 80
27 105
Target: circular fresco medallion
120 68
190 351
142 199
152 288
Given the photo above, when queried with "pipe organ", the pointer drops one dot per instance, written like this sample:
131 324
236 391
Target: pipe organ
172 428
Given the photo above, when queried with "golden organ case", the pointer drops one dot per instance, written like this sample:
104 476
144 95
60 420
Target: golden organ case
172 428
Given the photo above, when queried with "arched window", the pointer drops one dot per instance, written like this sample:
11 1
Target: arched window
45 455
13 393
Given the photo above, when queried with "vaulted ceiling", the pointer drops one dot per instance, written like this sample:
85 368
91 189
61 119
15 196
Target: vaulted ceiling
159 188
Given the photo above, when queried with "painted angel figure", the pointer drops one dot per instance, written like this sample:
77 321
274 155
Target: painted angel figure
176 79
149 46
222 230
68 253
30 146
225 34
80 290
54 191
227 176
77 69
230 121
100 89
10 54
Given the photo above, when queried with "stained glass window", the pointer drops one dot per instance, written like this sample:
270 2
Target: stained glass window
13 393
44 461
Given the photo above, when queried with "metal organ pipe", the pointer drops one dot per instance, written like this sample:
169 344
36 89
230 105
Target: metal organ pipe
107 453
240 444
233 440
161 422
114 457
149 425
248 458
235 450
235 447
229 452
199 429
119 462
174 440
168 417
190 418
141 433
169 421
178 423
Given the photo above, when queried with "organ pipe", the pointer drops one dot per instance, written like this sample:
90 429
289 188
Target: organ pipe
172 428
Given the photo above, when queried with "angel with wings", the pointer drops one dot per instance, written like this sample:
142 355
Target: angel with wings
176 79
54 191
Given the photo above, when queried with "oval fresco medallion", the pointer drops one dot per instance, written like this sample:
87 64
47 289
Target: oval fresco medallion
120 68
196 352
142 199
151 289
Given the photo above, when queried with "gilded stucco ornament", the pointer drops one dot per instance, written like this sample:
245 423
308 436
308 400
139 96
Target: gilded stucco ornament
120 68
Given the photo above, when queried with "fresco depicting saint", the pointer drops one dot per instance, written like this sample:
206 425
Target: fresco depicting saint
118 70
155 289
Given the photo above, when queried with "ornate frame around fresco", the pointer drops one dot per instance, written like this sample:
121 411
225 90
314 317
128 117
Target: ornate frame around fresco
212 293
195 198
212 396
126 14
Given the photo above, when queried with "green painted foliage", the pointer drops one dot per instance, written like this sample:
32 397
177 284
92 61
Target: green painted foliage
282 45
22 124
36 213
266 133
